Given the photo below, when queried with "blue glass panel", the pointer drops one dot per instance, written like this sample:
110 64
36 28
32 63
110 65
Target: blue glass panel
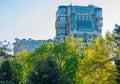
72 26
62 31
84 25
73 18
62 19
90 36
78 35
62 26
62 11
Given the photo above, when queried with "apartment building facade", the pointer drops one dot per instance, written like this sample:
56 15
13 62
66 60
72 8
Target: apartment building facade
27 45
78 21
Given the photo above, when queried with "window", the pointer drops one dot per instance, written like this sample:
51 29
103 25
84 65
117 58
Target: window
62 31
99 13
86 18
80 18
84 25
73 17
83 18
62 19
98 21
89 18
62 25
78 35
61 39
89 36
72 26
62 11
81 12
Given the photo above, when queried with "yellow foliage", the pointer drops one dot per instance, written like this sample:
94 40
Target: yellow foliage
97 67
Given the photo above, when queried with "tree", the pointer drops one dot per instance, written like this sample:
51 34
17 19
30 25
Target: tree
116 35
7 73
96 67
5 49
68 54
65 54
46 72
22 64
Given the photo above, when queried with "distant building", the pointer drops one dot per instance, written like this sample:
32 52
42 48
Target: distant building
79 22
28 45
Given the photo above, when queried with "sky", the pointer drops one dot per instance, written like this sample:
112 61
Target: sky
35 19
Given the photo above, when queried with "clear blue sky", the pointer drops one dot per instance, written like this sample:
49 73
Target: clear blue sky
36 18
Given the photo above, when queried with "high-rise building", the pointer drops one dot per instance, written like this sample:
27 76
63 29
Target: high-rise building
78 21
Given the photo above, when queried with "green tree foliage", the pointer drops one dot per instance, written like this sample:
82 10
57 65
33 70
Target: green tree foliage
7 73
44 50
22 65
68 54
79 64
116 35
24 62
69 62
46 72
